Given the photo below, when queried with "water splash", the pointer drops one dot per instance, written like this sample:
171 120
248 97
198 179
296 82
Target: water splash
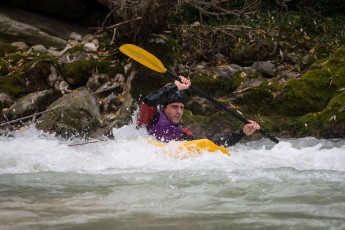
33 151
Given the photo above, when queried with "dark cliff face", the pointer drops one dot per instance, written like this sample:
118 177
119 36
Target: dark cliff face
76 12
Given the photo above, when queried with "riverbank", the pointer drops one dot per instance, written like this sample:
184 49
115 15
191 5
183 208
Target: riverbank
296 92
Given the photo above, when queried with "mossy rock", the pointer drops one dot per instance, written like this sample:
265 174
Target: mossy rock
247 53
77 73
29 73
79 117
36 74
335 66
217 124
330 122
259 100
310 94
215 83
13 85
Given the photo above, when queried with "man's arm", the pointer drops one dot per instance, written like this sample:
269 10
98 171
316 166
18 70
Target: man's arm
230 139
233 138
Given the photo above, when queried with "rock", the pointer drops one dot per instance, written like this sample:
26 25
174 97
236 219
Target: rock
31 28
32 103
77 73
20 45
289 74
73 57
266 68
119 78
96 81
201 66
111 103
74 114
308 59
90 47
96 42
38 48
73 42
5 100
36 77
246 54
57 53
53 76
217 80
87 38
248 83
64 87
76 36
109 87
195 24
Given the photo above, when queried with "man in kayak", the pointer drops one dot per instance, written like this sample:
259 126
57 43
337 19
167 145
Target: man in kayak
163 123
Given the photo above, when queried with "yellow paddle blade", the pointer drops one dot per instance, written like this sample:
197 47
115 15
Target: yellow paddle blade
143 57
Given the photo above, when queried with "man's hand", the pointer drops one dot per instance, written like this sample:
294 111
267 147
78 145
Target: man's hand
250 128
184 84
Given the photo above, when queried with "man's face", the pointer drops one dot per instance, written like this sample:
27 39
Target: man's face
174 112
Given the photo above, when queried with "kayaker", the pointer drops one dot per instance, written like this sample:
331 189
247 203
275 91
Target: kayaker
162 110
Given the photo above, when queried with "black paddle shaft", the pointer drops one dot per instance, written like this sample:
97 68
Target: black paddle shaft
224 108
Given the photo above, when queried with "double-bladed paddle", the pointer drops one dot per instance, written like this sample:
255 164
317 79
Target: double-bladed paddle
147 59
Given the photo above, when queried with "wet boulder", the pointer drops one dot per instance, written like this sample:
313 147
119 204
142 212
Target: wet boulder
32 103
97 80
74 114
39 75
266 68
5 100
218 81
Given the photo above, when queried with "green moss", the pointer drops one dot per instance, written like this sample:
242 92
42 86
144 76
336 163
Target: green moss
86 67
13 86
247 53
276 125
3 67
329 123
260 100
271 86
310 94
257 101
17 57
335 66
107 67
216 84
76 49
6 49
79 67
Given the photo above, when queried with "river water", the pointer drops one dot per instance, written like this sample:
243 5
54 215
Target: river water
126 183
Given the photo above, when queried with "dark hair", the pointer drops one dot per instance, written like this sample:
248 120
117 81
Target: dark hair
177 96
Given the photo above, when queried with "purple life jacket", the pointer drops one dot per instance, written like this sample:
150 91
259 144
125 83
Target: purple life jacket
165 130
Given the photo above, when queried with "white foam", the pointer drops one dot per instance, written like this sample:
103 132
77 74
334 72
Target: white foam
31 151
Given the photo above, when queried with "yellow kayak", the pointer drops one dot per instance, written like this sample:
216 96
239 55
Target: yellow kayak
194 146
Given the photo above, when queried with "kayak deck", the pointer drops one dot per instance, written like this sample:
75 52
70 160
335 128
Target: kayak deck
194 146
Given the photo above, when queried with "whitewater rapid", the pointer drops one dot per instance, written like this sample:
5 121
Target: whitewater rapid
127 183
33 151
